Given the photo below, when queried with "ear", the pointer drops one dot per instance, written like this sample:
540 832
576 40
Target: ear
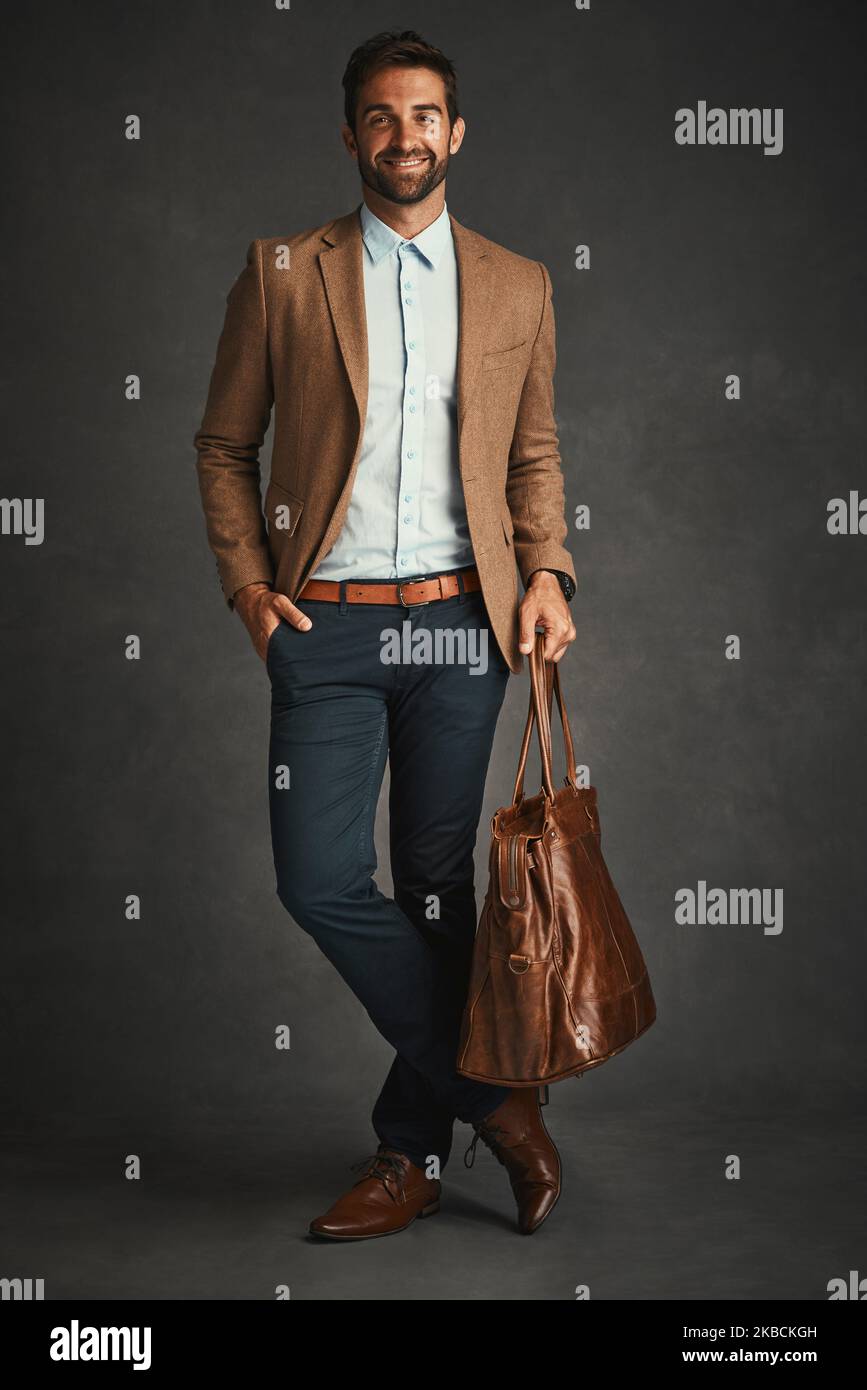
349 140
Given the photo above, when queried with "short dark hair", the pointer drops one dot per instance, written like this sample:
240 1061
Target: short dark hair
396 48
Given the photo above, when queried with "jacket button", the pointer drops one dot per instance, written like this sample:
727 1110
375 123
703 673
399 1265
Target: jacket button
514 900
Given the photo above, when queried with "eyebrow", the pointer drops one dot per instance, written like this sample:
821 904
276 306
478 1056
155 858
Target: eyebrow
386 106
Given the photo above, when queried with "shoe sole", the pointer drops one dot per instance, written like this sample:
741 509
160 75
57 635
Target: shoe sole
429 1210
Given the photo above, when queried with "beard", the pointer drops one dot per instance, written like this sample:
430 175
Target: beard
404 188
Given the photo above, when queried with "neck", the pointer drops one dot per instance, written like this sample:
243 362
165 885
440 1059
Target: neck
407 219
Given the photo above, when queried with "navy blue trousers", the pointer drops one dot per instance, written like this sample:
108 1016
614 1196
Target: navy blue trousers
338 712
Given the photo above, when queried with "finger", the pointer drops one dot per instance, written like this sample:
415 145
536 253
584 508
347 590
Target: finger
529 616
286 609
553 635
562 635
566 641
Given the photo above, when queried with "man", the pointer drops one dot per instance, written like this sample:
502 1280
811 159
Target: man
415 459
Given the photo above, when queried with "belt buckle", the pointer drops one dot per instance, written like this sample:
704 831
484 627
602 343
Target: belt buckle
422 603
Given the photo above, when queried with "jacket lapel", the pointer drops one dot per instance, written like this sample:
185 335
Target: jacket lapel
342 273
476 288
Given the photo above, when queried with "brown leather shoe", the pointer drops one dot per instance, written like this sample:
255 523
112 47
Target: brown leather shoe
516 1135
391 1192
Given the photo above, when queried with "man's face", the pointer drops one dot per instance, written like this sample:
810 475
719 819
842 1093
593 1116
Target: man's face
402 139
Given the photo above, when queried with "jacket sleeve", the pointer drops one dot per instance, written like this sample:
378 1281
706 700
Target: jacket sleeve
534 483
233 428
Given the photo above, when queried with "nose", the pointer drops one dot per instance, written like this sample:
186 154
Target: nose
404 140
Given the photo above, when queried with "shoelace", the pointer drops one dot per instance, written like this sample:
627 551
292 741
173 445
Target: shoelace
382 1166
489 1136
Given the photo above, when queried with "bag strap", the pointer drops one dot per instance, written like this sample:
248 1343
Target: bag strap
544 684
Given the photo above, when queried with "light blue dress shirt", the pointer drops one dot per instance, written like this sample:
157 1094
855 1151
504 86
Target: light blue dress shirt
407 514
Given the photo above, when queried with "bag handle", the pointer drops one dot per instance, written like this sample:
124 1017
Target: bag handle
544 684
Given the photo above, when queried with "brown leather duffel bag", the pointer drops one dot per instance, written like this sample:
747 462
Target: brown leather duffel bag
558 982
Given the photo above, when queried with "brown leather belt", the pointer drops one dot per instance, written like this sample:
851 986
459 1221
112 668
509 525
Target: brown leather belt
409 593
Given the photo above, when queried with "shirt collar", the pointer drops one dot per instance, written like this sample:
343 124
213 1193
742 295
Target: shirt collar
380 239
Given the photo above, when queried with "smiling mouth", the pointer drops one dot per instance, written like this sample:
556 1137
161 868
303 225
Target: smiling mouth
414 163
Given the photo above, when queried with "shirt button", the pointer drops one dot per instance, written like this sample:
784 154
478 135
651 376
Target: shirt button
412 390
407 519
407 497
410 344
403 562
412 410
410 453
407 300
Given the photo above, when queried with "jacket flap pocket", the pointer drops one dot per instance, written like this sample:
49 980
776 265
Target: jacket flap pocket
282 509
506 358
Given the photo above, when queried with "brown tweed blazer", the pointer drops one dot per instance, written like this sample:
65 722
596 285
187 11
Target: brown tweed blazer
295 339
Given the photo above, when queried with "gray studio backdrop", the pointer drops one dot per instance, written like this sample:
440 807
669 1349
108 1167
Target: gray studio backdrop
708 520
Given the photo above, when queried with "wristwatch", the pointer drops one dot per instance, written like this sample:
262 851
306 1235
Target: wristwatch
566 582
